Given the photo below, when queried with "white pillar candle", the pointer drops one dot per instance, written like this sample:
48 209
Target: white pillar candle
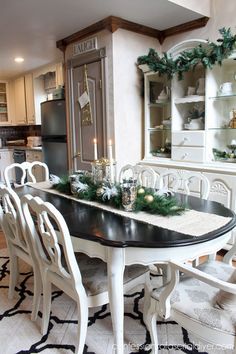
95 149
111 160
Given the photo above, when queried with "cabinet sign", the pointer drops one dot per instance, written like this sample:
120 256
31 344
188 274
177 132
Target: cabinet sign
85 46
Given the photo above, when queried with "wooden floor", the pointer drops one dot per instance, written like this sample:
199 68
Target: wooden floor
2 240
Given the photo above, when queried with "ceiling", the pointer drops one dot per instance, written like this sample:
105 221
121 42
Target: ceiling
30 28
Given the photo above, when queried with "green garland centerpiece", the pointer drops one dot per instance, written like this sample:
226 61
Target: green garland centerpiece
147 199
208 55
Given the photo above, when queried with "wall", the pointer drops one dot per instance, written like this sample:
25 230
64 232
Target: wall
128 100
223 15
203 6
18 132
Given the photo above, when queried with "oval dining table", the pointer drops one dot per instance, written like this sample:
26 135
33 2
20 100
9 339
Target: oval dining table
121 241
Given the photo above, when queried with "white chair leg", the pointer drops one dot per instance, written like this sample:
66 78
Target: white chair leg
150 321
82 307
147 298
166 273
37 293
47 290
14 274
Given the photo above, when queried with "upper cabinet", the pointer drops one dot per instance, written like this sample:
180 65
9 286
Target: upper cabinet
20 106
4 104
30 100
28 91
192 119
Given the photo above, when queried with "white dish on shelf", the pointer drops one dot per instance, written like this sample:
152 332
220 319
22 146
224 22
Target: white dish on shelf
189 99
164 100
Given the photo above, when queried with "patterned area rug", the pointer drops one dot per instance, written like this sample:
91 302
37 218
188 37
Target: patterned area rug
22 336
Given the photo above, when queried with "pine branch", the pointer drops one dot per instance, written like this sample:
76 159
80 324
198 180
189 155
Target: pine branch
207 55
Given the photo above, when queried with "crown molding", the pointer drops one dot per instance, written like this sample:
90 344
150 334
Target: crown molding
184 27
113 23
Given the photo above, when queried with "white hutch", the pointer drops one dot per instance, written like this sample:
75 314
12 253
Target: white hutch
204 143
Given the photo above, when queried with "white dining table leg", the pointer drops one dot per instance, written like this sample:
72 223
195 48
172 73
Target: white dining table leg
115 270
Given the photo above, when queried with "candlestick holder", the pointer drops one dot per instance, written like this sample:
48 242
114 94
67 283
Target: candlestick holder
101 171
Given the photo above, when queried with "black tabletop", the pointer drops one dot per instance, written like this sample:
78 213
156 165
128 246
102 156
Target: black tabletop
110 229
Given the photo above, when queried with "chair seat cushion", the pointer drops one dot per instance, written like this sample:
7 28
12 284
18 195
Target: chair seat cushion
196 299
94 273
226 300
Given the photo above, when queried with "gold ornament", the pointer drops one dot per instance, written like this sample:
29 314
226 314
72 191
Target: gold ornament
99 191
141 190
149 198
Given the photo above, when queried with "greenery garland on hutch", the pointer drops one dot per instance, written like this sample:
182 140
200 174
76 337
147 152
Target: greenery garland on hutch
190 112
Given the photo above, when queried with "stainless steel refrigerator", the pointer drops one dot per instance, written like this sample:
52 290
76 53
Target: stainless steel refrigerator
54 139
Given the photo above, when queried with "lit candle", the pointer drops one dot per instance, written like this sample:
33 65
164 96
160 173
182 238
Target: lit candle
95 149
111 160
110 149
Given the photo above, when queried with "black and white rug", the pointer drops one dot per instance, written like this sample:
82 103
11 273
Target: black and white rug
18 334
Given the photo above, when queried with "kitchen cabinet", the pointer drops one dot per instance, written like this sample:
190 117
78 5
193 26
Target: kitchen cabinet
4 104
38 171
20 106
6 159
29 99
25 101
32 89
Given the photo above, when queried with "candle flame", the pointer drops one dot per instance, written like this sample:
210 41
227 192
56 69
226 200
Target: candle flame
110 142
95 141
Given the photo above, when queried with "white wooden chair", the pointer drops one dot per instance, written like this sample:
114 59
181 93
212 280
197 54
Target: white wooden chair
182 181
126 172
203 301
14 228
82 278
27 172
145 175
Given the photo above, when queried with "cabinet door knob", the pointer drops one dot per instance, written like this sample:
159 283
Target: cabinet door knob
78 154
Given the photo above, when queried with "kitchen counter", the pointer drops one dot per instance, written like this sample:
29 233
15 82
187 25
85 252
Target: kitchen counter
12 147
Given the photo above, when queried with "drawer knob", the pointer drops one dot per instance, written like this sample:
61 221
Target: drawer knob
185 139
185 155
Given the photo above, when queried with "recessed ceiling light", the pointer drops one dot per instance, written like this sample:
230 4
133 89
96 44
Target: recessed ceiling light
19 59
